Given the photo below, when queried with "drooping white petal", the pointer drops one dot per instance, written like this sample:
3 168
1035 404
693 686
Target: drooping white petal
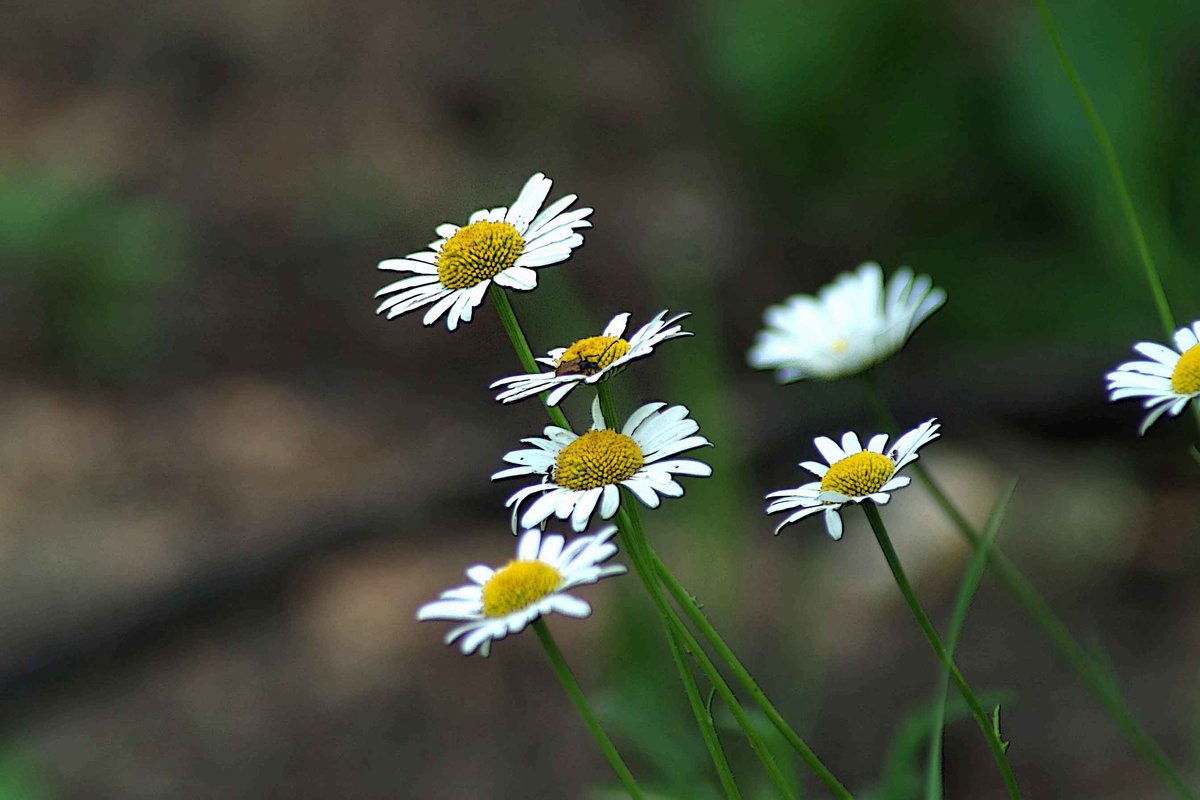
610 501
833 522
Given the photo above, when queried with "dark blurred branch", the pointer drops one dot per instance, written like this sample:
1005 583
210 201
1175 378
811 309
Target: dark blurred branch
61 662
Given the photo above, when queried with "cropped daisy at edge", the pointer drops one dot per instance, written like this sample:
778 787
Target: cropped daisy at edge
582 473
591 360
852 474
504 245
501 601
851 325
1168 379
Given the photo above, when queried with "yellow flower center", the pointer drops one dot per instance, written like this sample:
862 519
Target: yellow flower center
477 252
858 475
1186 377
589 356
518 585
839 346
598 458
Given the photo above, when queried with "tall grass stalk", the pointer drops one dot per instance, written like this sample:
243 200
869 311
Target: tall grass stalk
1128 209
576 694
962 603
1075 654
939 648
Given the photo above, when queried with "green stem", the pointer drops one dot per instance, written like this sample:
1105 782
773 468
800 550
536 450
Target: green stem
962 603
704 720
692 609
607 408
1114 169
1068 647
981 717
639 553
576 694
694 612
508 318
1118 177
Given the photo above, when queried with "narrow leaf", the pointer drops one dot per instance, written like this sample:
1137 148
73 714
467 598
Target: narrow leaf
962 604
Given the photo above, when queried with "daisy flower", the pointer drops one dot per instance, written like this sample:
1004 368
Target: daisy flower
504 245
581 473
498 602
1168 379
591 360
852 475
851 325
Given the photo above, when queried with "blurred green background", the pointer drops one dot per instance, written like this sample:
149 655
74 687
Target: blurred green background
218 505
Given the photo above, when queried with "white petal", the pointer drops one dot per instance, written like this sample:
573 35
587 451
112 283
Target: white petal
815 467
597 415
570 606
552 547
799 515
410 264
518 278
616 326
639 416
480 574
549 255
690 443
515 472
556 396
877 443
1160 353
685 466
550 212
526 206
644 491
440 307
448 609
584 507
610 501
541 508
833 523
829 449
528 545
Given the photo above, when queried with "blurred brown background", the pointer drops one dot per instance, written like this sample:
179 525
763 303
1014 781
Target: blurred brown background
225 485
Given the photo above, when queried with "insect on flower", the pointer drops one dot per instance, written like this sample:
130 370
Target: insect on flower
588 364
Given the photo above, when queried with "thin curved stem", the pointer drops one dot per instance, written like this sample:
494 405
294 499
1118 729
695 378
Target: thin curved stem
696 615
1054 629
508 318
1118 177
1114 169
576 694
914 605
704 719
638 550
1069 648
692 609
962 604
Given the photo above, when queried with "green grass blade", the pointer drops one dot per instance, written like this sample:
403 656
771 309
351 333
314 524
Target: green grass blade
962 604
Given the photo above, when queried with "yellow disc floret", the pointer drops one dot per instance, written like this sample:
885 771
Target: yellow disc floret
1186 377
589 356
518 585
858 475
598 458
477 252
